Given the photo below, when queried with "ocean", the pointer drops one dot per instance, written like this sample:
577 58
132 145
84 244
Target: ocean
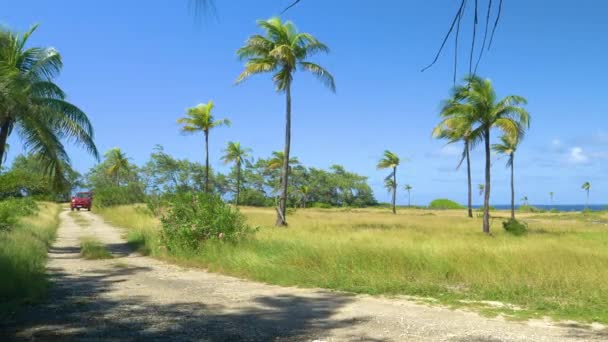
560 207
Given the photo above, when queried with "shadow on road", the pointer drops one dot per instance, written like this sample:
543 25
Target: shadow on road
78 310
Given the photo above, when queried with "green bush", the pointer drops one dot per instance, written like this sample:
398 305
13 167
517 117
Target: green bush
12 209
444 203
530 209
515 227
554 211
193 218
254 198
319 205
118 195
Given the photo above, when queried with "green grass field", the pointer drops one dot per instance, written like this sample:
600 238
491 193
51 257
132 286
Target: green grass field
23 254
559 269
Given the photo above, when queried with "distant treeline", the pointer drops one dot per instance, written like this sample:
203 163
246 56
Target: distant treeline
116 180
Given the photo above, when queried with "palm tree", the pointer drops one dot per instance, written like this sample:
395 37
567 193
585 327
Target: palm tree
304 191
481 188
199 119
508 146
237 154
390 161
551 194
477 98
277 161
281 51
586 186
117 161
408 188
524 200
33 104
455 128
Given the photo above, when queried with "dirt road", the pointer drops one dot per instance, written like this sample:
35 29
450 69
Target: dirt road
131 297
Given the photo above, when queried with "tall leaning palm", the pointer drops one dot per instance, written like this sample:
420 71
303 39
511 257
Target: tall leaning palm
390 161
508 145
586 186
201 119
35 107
476 97
458 127
236 154
282 50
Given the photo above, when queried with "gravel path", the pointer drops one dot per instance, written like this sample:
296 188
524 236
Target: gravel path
131 297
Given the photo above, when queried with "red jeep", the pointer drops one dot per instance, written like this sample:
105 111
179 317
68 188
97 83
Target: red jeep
82 200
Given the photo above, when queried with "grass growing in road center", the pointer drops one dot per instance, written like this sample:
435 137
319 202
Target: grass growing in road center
558 269
92 249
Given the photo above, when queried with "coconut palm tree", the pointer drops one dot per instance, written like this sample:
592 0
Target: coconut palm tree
524 200
390 161
586 186
117 161
236 154
551 194
458 127
200 119
477 98
408 188
508 146
281 51
481 188
304 191
32 105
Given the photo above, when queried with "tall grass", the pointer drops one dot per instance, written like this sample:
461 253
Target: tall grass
23 253
558 269
92 249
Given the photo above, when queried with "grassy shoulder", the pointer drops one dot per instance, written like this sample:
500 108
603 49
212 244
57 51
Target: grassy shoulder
23 254
558 269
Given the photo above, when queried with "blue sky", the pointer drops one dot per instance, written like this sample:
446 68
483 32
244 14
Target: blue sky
134 69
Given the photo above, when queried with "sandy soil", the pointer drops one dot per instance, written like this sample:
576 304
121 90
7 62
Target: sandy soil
131 297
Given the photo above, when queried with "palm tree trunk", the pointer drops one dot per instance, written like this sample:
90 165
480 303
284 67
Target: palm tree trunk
512 188
409 199
486 196
470 199
281 219
206 162
4 129
238 182
394 189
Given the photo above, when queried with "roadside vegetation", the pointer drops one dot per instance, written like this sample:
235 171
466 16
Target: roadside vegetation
557 269
27 231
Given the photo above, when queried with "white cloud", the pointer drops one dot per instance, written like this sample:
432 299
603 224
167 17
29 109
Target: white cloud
577 156
447 151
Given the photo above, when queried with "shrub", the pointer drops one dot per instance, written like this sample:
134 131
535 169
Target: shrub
515 227
254 198
554 211
530 209
443 203
12 209
118 195
193 218
320 205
